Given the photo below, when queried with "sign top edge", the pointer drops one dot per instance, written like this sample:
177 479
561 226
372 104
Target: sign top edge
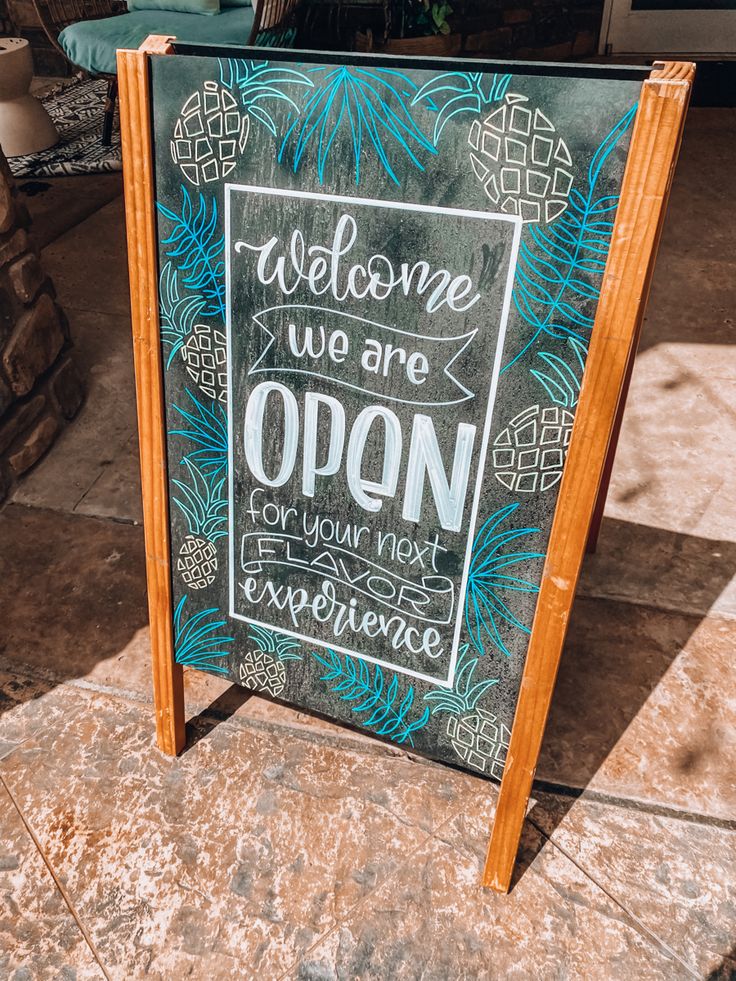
544 68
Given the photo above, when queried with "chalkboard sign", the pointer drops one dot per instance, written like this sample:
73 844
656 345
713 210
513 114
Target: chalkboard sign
378 307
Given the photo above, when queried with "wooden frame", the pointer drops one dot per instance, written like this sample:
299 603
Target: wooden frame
168 676
655 143
649 169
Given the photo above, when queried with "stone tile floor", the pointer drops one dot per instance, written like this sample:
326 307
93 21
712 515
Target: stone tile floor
280 846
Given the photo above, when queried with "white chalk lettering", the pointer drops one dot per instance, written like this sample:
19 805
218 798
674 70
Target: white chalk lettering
323 269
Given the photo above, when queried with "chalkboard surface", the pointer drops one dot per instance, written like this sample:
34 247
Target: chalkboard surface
377 287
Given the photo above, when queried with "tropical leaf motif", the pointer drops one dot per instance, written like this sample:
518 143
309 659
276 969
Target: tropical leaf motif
202 503
259 84
371 105
197 642
562 381
388 713
560 266
464 695
272 642
459 92
196 242
206 427
177 313
491 580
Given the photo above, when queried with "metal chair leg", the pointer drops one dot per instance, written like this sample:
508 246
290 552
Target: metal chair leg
110 100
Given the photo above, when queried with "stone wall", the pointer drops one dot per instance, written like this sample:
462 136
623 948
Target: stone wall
40 388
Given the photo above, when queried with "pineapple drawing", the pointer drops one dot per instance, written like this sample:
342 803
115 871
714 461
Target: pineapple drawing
480 741
202 503
474 734
523 165
529 454
202 347
212 129
209 135
205 355
263 668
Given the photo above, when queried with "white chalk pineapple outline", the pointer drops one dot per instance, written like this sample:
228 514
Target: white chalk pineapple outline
264 668
202 502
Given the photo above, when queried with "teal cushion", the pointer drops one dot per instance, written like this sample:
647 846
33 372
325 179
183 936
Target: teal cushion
92 44
235 3
207 7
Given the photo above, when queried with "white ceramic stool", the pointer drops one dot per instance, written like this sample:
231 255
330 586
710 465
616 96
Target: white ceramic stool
25 126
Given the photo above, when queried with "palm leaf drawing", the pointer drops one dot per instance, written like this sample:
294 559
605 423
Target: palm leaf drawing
459 92
371 105
197 642
285 648
561 380
202 503
388 713
206 427
491 580
177 313
464 695
196 242
560 266
258 83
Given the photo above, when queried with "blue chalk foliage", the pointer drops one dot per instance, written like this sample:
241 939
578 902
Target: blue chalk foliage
460 92
465 693
561 379
373 105
197 641
492 580
386 709
197 244
560 266
177 313
259 84
272 642
206 427
202 501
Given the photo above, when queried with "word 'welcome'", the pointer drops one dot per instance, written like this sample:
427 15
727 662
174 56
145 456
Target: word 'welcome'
323 270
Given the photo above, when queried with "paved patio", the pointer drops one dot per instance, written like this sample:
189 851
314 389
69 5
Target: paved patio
279 846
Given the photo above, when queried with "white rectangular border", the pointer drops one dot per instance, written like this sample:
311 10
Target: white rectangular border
400 206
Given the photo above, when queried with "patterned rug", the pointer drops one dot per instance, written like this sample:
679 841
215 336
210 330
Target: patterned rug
76 110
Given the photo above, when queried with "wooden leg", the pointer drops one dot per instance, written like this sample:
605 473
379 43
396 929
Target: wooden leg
109 117
600 503
168 697
135 128
654 145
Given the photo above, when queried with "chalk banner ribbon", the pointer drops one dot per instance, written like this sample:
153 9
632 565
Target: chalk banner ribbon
298 342
430 599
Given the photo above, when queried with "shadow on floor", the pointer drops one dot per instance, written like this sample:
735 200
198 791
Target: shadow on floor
220 710
72 594
72 591
617 651
726 970
58 204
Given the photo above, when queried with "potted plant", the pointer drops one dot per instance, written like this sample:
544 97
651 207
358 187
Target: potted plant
423 27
